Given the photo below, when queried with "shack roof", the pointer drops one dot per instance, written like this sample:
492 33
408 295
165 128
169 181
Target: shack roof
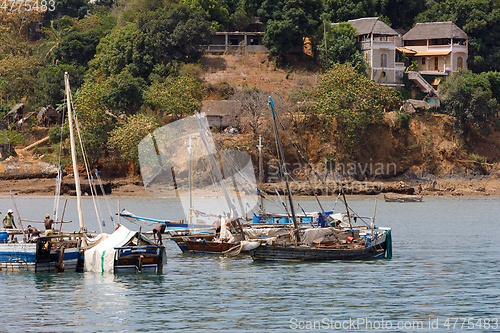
46 111
435 30
16 110
372 25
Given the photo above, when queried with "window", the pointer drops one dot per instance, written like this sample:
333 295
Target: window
460 62
436 64
423 60
383 60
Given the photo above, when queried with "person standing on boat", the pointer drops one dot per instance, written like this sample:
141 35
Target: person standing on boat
159 229
8 222
321 220
48 225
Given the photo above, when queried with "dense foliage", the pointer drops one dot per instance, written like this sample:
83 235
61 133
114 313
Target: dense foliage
467 97
341 47
351 102
126 137
127 58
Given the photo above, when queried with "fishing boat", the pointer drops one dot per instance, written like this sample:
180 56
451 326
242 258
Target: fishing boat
54 252
403 198
126 251
335 242
171 225
180 163
43 254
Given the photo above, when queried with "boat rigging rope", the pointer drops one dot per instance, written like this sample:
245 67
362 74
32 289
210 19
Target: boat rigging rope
105 197
234 251
59 172
77 125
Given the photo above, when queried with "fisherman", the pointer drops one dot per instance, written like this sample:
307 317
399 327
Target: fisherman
159 229
48 225
8 222
321 220
32 231
216 224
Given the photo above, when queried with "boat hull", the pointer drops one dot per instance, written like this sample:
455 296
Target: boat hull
139 259
404 198
23 257
208 247
313 253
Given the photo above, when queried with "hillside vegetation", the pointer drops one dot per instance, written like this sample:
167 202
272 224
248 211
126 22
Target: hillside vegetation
137 65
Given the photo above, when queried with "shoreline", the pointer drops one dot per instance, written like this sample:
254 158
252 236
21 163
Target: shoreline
133 187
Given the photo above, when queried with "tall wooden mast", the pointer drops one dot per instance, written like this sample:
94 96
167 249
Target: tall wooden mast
73 154
285 173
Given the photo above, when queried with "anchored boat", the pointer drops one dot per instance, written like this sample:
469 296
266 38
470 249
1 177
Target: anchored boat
336 242
44 254
126 251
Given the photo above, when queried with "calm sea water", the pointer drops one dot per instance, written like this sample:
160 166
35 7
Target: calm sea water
445 265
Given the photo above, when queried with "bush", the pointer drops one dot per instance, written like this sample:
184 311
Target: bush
55 134
403 121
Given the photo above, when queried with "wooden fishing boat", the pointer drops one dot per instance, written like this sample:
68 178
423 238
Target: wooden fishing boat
126 251
44 254
329 243
366 246
403 198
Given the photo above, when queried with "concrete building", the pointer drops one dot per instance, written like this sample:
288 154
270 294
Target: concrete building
377 43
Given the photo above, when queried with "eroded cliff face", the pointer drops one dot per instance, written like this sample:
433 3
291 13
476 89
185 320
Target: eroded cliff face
428 147
426 150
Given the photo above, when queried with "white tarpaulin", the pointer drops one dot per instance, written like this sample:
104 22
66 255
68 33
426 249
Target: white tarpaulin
101 257
314 234
257 233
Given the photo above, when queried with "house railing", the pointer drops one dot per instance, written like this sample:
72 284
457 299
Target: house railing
233 48
425 86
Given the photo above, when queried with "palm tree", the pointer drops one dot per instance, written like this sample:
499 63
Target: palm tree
56 34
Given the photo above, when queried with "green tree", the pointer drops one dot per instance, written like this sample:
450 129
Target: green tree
17 77
352 102
123 93
175 33
78 48
494 80
341 47
158 39
467 97
54 36
216 11
126 137
284 19
280 36
49 84
95 120
344 10
179 96
125 49
240 19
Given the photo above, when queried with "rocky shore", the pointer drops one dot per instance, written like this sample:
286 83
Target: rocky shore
406 184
